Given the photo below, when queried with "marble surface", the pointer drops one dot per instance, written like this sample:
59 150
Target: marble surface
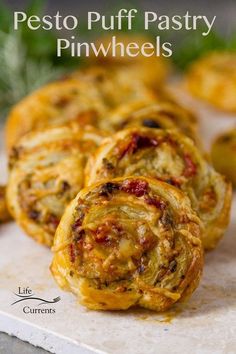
205 325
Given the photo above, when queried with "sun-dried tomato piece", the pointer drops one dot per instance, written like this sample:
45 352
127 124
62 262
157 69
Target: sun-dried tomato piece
138 142
136 187
190 167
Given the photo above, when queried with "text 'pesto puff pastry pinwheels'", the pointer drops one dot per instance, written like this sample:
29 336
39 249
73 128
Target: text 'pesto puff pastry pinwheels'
84 97
4 214
163 114
223 154
47 172
129 241
173 158
213 79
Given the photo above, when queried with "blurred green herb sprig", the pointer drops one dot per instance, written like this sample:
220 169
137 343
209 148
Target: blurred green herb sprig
28 58
193 45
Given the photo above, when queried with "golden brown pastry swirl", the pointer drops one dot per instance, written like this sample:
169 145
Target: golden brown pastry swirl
213 79
85 97
129 241
163 114
223 154
173 158
47 171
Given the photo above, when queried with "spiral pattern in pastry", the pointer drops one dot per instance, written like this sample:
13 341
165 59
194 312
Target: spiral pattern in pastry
164 114
128 241
213 79
173 158
47 171
84 97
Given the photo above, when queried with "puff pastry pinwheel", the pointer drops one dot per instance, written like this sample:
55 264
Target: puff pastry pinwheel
85 97
164 114
116 88
172 157
47 171
4 214
151 70
223 154
213 78
129 241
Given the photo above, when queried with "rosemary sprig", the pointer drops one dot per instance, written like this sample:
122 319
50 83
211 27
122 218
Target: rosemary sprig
28 58
20 74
